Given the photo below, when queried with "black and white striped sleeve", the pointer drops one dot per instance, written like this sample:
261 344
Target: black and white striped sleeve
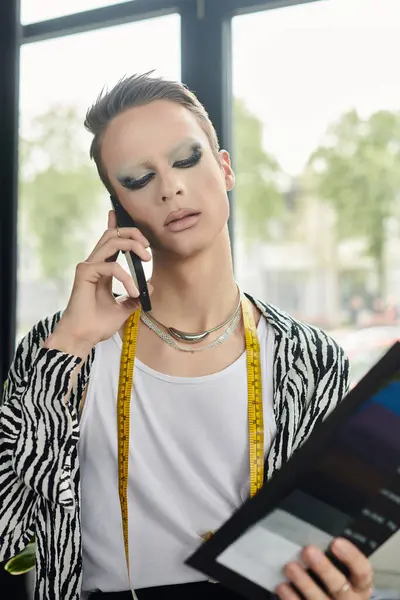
35 440
328 381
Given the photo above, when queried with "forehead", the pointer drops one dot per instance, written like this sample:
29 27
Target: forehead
144 132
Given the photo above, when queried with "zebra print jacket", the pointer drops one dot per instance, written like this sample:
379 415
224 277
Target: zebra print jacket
39 434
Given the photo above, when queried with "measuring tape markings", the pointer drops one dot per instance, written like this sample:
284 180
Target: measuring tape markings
254 400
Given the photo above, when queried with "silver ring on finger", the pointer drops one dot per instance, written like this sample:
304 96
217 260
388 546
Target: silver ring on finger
346 587
118 233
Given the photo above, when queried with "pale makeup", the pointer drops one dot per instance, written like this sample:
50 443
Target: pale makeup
188 154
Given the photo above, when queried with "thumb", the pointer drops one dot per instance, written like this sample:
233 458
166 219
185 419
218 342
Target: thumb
128 304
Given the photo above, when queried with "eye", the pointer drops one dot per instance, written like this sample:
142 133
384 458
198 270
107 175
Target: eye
136 184
193 159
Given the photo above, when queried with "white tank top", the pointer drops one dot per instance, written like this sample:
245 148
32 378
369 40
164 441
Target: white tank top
188 465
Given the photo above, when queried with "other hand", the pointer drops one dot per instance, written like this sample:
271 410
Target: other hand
358 586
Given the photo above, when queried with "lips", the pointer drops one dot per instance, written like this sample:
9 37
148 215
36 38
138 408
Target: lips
177 215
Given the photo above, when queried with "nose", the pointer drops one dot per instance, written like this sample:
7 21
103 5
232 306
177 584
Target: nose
170 186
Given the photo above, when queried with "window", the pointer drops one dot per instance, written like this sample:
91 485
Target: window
62 205
33 11
317 147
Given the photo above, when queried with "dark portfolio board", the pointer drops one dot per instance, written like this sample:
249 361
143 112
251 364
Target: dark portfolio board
344 481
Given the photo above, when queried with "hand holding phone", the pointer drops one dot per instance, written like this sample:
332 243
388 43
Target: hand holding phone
134 263
92 315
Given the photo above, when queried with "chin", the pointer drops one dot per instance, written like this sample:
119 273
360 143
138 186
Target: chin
185 251
189 244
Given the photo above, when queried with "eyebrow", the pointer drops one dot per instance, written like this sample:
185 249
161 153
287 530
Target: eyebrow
188 142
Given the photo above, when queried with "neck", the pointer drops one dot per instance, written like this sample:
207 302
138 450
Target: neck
195 294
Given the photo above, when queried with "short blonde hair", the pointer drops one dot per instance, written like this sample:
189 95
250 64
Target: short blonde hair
138 90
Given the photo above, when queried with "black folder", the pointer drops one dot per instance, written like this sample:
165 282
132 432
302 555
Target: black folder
344 481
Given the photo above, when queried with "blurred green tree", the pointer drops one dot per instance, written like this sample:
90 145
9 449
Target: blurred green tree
258 196
59 191
357 169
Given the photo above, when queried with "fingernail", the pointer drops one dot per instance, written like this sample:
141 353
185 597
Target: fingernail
291 569
340 546
283 591
314 555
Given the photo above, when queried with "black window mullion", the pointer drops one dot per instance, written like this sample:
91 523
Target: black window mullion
206 64
9 100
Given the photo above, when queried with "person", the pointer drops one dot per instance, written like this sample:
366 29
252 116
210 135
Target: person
157 152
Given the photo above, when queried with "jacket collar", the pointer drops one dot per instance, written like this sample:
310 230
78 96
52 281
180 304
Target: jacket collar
286 348
281 322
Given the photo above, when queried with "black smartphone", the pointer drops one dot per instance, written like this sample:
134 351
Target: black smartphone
134 262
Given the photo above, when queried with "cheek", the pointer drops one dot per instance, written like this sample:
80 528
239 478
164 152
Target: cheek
216 205
211 181
215 195
146 224
152 233
140 209
138 203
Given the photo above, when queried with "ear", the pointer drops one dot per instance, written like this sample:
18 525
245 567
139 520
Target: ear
229 175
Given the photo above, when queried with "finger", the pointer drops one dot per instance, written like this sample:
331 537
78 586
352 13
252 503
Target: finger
360 568
109 233
330 576
150 287
112 220
112 224
303 582
133 233
285 592
116 244
129 304
124 232
91 272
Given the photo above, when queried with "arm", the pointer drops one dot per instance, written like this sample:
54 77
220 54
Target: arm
329 380
37 430
35 439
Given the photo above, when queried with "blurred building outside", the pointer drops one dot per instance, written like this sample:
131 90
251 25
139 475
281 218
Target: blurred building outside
317 70
297 70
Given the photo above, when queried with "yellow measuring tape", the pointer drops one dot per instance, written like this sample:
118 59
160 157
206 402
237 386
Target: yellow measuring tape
254 400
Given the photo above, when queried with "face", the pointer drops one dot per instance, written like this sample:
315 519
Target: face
165 174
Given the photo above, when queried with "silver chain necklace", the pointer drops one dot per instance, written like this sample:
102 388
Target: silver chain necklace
193 338
171 342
